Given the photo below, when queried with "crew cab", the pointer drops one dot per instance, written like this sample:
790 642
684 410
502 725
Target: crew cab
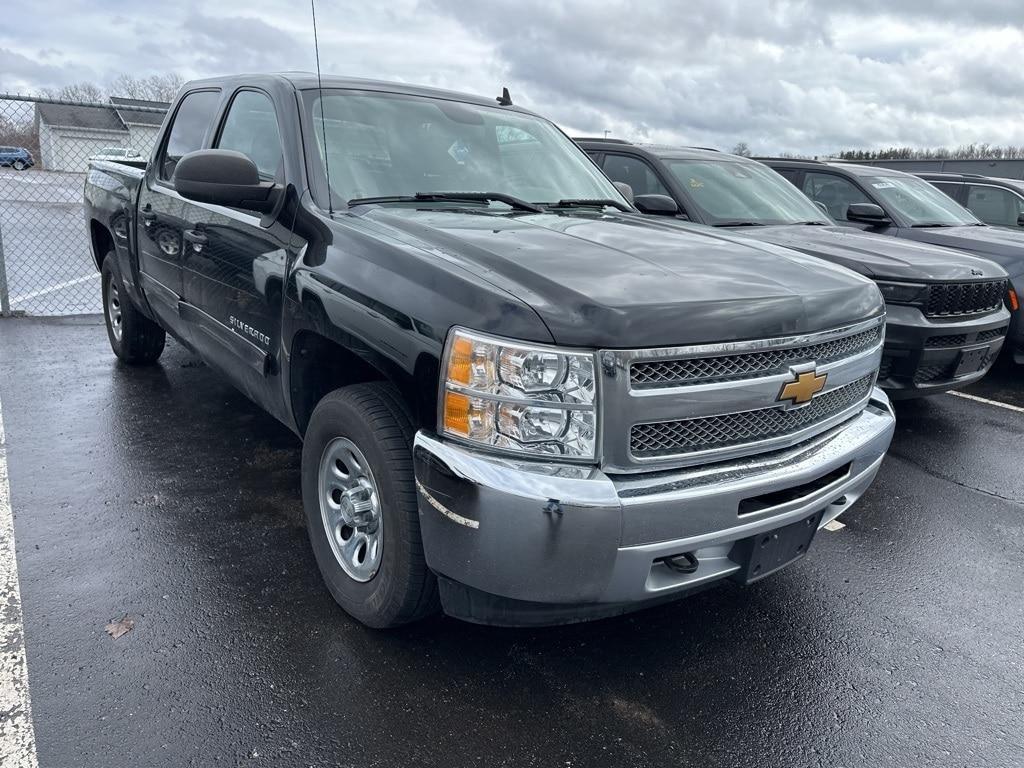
520 400
932 344
887 202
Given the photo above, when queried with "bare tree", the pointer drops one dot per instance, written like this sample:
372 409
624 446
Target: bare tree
153 88
84 91
741 149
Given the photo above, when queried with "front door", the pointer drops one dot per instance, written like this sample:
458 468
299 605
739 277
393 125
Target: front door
235 262
161 223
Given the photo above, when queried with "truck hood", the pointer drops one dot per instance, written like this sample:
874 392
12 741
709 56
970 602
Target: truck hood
623 280
1003 246
878 256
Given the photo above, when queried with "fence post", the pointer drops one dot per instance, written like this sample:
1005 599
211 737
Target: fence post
5 300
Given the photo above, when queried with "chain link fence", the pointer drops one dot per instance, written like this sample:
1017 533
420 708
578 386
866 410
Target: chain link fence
46 266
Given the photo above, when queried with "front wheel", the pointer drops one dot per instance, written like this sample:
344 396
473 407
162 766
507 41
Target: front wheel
135 338
19 165
359 496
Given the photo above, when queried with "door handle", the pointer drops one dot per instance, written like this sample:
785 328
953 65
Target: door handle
148 218
197 238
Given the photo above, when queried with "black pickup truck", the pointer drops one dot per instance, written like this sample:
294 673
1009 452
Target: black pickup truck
946 312
519 399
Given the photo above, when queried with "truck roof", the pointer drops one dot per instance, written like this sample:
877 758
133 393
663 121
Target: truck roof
305 81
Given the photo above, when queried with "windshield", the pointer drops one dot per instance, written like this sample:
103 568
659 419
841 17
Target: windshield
729 192
383 145
918 202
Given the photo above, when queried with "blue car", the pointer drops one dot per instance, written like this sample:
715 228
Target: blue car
18 158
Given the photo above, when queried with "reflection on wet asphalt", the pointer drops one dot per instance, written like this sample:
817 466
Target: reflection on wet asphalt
164 494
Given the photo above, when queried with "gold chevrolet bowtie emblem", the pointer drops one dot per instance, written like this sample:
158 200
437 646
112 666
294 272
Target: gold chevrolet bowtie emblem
803 388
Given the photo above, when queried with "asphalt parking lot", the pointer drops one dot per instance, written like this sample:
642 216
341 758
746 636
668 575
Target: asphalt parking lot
163 495
49 266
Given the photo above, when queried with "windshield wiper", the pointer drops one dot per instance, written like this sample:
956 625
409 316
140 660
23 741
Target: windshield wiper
585 202
932 224
813 223
739 224
428 197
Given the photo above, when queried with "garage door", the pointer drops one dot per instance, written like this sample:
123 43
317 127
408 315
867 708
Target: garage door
70 152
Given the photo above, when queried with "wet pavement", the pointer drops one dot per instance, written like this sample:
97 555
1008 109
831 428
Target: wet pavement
165 495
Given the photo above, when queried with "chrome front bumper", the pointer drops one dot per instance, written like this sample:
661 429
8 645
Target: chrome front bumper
522 542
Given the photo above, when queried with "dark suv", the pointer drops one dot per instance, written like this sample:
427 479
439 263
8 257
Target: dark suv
898 204
17 158
999 202
946 317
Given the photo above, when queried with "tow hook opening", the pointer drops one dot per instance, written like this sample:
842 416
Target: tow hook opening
686 562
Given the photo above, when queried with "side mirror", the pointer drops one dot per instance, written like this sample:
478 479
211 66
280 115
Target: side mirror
1020 219
868 213
625 189
656 205
223 177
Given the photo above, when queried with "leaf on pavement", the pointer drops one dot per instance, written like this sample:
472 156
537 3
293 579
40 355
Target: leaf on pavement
122 626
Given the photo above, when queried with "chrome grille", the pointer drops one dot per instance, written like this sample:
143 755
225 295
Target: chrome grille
708 433
964 298
705 370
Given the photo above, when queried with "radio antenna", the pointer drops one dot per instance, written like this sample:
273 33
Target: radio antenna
323 115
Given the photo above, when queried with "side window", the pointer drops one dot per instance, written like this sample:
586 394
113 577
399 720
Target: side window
634 172
832 191
949 188
251 128
188 130
789 174
994 205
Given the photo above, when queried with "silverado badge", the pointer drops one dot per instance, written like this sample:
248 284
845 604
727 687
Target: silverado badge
803 387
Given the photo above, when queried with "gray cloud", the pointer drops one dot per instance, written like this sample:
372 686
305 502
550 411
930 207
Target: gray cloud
782 75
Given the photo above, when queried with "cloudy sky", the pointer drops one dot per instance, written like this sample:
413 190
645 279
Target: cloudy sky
810 77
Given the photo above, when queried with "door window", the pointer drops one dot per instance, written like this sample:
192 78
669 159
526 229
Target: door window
635 172
251 128
191 121
994 205
834 192
950 188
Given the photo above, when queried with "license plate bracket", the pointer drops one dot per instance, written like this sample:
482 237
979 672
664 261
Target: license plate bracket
768 552
971 360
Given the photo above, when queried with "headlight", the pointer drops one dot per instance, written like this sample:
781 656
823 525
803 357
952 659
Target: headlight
901 293
518 397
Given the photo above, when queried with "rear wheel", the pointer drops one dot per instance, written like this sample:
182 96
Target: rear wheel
135 338
359 496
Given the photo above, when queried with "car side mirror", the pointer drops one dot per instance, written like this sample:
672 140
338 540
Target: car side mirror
868 213
1020 219
624 189
223 177
656 205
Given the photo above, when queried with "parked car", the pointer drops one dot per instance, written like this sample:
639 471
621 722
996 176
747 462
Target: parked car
17 158
117 154
507 381
999 202
932 344
887 202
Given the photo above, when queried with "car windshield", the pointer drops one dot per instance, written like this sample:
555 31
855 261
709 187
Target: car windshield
917 201
394 145
731 192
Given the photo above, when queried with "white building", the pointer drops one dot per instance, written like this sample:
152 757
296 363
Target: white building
70 134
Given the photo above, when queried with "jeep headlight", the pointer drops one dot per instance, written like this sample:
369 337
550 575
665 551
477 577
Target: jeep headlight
524 398
901 293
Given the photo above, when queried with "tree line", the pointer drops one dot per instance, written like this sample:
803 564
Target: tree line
973 151
152 88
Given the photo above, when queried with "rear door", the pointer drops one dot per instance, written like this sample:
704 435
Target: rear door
160 209
235 260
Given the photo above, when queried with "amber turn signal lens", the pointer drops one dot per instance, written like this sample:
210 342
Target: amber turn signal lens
456 413
1014 303
460 362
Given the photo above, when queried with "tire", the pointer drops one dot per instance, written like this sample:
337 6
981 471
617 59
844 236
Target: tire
135 338
19 165
395 586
